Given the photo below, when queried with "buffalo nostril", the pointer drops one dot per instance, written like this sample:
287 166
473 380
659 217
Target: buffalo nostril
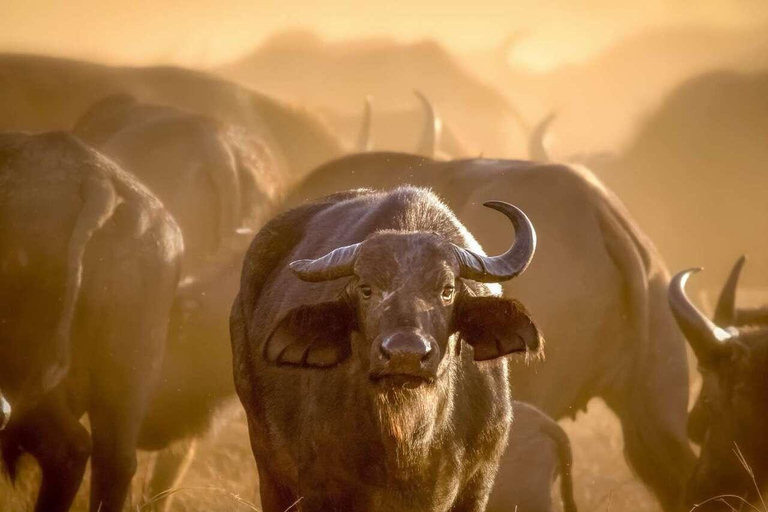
405 348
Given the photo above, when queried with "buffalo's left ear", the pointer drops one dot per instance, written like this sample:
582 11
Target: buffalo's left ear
497 326
314 335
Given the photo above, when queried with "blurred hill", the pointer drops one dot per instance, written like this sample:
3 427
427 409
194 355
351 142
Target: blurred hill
337 76
696 175
600 101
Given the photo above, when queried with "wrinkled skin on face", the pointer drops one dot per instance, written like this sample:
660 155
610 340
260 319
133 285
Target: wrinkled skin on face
404 298
356 343
398 313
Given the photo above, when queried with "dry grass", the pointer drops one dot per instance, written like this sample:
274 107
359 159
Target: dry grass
728 500
222 478
602 479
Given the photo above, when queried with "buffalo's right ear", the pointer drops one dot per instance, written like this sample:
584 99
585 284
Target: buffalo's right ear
497 326
314 335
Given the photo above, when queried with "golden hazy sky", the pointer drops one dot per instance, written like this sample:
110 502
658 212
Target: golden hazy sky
207 32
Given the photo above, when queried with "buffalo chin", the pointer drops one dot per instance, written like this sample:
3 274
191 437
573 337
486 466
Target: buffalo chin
406 409
399 381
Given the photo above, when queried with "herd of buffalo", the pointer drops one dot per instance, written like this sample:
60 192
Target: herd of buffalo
170 239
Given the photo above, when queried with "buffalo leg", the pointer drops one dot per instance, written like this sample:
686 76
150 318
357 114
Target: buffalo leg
114 460
474 496
61 446
116 415
170 466
130 344
274 497
652 408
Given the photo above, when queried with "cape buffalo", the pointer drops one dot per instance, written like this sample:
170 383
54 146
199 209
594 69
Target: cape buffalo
368 353
215 178
47 93
730 416
220 183
599 292
88 271
538 450
674 168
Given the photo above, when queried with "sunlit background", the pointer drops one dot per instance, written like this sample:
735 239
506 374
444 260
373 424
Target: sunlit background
665 100
207 33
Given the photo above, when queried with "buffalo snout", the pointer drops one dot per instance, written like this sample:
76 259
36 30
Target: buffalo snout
407 355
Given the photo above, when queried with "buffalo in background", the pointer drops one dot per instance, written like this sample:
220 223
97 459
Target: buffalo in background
89 268
46 93
701 159
730 417
221 183
538 450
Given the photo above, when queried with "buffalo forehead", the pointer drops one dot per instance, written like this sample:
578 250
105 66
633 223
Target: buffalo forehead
411 257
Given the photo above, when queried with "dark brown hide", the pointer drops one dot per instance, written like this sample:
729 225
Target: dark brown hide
538 451
47 93
367 434
730 413
221 183
89 268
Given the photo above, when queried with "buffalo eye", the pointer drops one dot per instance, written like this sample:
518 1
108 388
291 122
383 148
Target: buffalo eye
365 291
447 293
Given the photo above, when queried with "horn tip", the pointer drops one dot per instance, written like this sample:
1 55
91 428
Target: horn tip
297 265
495 203
739 265
423 98
503 205
681 278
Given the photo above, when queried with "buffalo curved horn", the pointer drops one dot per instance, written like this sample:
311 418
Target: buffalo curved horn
725 312
495 269
705 338
537 149
336 264
364 137
433 128
485 269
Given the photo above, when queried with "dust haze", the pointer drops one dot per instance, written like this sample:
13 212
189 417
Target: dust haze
665 102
